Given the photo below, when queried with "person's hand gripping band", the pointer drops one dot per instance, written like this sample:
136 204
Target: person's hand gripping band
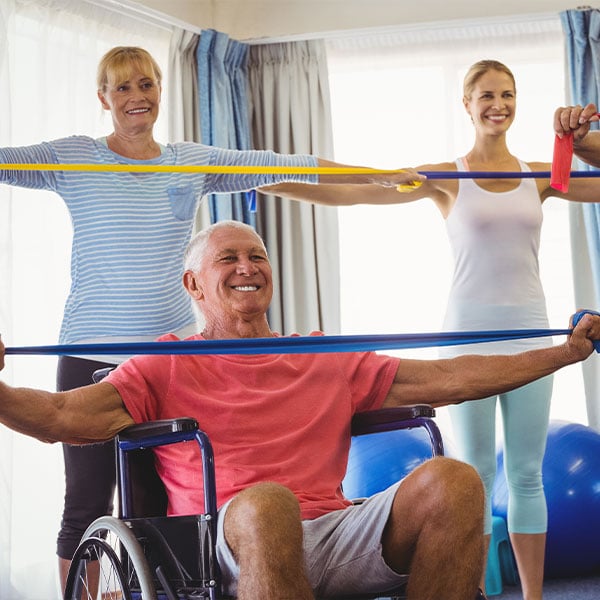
410 186
577 317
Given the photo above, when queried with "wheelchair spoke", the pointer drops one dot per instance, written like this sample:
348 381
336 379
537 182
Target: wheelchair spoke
96 573
109 565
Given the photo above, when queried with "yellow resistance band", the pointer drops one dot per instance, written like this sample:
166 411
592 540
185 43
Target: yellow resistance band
199 169
236 169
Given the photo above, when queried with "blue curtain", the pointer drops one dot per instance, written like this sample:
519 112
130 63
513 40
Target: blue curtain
581 30
224 110
582 34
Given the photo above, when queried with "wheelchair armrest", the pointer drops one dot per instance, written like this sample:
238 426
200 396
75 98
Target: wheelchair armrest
100 374
151 429
400 417
387 419
144 436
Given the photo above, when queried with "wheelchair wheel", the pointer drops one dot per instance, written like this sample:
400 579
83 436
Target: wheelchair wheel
110 555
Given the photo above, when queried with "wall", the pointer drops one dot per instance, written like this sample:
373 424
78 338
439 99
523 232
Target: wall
251 19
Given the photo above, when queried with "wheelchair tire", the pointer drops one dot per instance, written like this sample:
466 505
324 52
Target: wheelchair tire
97 551
123 569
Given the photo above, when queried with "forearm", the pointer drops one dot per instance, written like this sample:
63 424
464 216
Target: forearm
84 415
33 179
31 412
363 176
358 188
588 148
472 377
334 194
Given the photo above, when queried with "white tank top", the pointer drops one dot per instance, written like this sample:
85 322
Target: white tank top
495 239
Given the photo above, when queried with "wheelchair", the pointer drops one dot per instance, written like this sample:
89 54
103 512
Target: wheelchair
145 555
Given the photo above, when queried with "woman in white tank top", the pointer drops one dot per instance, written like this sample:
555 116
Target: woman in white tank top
494 230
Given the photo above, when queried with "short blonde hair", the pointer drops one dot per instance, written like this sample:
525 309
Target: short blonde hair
115 66
478 70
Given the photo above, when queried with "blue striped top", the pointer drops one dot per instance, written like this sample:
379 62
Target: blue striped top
130 230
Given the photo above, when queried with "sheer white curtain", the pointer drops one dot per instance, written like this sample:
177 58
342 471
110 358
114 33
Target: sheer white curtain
49 50
397 101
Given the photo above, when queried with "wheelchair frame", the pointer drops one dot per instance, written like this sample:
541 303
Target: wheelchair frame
154 557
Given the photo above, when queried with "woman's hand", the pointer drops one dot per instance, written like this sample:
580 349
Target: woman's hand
404 180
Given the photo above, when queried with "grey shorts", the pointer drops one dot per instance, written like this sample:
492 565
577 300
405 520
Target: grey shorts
342 550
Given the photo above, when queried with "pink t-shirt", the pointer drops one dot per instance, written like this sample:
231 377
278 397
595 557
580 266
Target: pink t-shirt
270 417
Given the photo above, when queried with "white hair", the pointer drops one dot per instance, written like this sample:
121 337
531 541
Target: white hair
196 249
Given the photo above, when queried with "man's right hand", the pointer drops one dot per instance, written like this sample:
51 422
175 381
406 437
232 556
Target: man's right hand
2 352
585 335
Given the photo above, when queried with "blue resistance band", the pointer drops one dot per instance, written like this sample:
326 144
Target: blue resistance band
502 174
302 344
291 345
251 195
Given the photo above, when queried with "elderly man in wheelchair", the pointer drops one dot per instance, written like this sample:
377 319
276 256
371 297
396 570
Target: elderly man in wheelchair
280 428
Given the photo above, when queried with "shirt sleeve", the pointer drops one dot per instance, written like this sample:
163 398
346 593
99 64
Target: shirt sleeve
143 383
228 182
34 179
369 376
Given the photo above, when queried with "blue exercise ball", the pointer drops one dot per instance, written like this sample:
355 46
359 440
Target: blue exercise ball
571 476
377 460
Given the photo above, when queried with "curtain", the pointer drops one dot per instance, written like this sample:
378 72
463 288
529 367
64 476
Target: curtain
290 111
49 51
184 116
184 123
582 33
224 117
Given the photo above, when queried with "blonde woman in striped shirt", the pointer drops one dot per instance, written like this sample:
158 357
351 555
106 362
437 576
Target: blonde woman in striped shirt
129 235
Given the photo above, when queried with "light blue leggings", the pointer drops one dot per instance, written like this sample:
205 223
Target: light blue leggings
525 415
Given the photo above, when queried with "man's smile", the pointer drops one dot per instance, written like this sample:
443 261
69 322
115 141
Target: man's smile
137 111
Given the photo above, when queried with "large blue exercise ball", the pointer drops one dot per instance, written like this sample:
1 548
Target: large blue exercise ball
377 460
571 475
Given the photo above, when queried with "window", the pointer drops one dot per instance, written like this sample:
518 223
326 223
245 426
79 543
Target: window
48 60
397 102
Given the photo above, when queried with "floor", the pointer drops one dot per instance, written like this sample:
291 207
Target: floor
586 588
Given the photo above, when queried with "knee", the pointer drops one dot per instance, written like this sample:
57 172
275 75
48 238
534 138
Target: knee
448 487
260 508
265 498
524 471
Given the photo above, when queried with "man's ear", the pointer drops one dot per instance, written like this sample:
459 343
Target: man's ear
191 284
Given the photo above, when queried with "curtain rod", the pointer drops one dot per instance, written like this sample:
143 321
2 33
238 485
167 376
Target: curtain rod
147 14
407 28
144 13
